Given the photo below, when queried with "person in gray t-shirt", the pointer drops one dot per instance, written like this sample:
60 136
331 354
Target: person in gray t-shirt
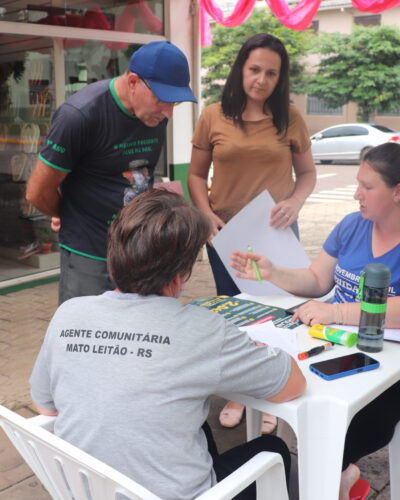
130 373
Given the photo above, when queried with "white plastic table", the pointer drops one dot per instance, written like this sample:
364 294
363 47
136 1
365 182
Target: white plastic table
321 416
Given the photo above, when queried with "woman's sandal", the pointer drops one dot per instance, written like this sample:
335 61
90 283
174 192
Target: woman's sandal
231 417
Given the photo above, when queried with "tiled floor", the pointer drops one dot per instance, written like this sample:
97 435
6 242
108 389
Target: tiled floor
13 269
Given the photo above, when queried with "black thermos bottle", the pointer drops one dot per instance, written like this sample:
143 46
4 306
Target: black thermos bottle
372 293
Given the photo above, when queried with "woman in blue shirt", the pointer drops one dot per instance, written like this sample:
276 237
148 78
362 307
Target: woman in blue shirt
370 235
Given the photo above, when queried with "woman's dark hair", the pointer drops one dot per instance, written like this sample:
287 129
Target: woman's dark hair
385 160
154 238
234 98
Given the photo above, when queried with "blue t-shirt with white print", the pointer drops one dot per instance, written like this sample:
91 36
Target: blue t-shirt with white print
351 243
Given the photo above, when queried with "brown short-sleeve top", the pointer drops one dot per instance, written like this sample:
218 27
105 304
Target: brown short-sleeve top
248 161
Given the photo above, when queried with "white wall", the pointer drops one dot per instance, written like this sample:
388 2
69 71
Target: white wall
183 32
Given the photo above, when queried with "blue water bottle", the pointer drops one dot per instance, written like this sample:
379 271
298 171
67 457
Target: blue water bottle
372 293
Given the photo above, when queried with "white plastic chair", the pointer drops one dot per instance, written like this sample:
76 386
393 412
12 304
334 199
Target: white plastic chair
68 473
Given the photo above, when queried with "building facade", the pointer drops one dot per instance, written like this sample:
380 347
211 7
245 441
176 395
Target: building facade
338 16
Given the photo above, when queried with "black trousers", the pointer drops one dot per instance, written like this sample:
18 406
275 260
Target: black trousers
372 428
226 463
223 281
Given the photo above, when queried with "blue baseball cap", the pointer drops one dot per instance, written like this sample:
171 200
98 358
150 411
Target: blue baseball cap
165 69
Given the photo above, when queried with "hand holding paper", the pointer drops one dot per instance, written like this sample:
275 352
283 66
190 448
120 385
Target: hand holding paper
284 213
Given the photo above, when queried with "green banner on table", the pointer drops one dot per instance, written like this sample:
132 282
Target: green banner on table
243 312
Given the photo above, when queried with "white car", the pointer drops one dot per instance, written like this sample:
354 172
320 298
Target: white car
350 141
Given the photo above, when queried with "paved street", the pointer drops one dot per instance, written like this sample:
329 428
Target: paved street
25 314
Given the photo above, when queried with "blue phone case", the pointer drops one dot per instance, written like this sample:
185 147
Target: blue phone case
317 368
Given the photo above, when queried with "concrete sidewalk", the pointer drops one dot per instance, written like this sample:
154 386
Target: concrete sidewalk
24 316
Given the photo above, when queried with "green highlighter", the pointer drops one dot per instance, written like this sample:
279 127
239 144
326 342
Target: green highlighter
255 266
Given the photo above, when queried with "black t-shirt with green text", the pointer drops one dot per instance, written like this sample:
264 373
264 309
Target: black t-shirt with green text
94 138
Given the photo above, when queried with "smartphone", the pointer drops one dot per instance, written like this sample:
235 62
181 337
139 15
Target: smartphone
293 309
351 364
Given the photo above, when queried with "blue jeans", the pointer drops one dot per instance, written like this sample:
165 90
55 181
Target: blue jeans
223 281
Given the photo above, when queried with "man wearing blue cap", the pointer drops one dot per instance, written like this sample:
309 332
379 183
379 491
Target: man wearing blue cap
103 140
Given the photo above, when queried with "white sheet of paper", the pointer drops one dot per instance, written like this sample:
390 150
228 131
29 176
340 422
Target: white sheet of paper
267 333
390 333
250 227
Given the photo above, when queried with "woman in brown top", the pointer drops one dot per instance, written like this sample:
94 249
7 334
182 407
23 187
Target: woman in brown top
256 140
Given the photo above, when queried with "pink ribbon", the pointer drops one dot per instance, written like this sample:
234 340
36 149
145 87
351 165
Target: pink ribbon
298 18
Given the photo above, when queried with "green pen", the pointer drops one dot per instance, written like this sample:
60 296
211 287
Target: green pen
255 266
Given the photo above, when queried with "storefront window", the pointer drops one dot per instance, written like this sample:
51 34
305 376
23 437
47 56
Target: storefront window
136 16
95 61
92 61
27 103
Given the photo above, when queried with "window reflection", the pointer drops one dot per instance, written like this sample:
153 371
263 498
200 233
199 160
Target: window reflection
92 62
26 104
136 16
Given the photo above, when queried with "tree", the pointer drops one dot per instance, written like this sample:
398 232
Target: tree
363 67
226 42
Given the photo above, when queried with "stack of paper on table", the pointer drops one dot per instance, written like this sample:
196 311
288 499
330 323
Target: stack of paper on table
268 333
